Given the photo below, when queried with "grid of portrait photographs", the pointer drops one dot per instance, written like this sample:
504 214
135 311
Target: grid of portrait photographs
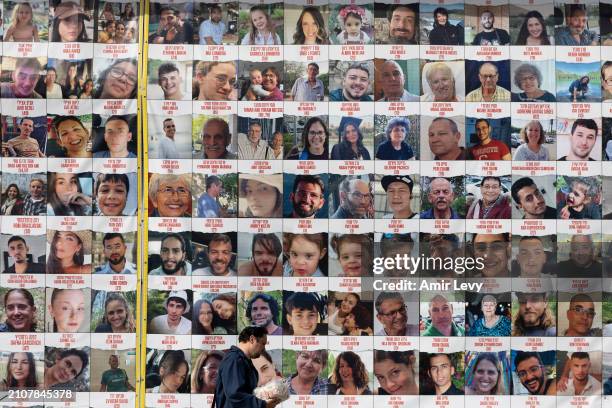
69 203
302 156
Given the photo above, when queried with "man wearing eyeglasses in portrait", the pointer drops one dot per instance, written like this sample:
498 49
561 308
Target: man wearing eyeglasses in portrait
495 251
488 91
355 199
534 317
392 313
215 81
170 195
532 374
25 77
307 197
580 315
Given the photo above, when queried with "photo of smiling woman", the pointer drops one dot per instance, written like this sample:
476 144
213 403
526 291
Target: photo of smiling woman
117 81
72 138
310 27
205 372
19 310
66 195
67 250
487 373
67 310
66 369
349 375
170 195
118 316
20 372
314 142
395 372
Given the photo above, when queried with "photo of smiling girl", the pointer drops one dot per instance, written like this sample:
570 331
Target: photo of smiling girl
20 371
117 313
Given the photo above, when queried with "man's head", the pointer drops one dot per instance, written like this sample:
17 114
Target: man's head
255 131
440 194
580 366
392 79
173 253
312 71
402 23
444 138
533 310
213 186
487 20
117 134
483 131
488 76
495 251
113 361
355 196
391 312
220 254
528 197
262 310
356 81
577 19
440 16
26 127
303 313
169 79
215 79
215 138
114 247
37 187
308 195
169 128
176 306
18 249
265 250
25 77
441 313
531 256
582 250
253 341
399 192
169 17
583 138
215 13
441 80
580 315
531 372
441 371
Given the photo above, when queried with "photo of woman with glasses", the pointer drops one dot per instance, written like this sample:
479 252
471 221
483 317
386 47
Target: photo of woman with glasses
118 81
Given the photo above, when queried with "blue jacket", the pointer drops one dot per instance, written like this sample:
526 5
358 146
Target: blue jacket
236 381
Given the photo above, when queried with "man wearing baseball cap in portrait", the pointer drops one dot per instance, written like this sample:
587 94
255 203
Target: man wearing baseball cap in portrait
399 194
173 322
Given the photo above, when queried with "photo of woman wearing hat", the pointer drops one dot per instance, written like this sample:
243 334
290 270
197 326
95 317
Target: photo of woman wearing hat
68 23
351 141
67 250
261 195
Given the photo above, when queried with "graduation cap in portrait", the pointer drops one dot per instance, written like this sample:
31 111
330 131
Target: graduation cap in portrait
345 121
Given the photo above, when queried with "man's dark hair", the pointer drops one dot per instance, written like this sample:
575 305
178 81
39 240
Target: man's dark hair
118 117
359 66
165 68
215 7
112 178
274 308
175 236
223 238
16 238
440 10
166 120
530 237
249 331
168 8
314 64
576 8
580 355
210 180
270 242
526 355
433 355
412 6
505 236
587 123
482 120
308 179
112 235
519 185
